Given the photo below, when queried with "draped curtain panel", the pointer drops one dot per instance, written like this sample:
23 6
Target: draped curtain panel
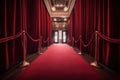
16 17
10 24
103 16
38 24
70 30
114 55
83 23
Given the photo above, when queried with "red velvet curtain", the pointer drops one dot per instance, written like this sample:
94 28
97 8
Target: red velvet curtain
10 25
114 32
38 24
17 16
82 23
103 16
70 31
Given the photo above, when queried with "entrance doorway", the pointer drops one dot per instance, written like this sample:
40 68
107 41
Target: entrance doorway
60 36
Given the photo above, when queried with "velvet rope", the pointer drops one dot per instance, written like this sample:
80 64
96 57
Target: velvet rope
69 41
35 40
87 44
46 40
10 37
51 41
77 39
108 38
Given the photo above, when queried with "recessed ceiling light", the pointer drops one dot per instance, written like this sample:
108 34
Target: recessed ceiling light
65 8
55 19
57 5
61 5
65 19
63 25
53 9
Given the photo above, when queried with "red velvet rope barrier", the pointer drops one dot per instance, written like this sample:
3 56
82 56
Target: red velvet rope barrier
35 40
108 38
70 40
46 40
87 44
51 41
77 39
10 37
16 36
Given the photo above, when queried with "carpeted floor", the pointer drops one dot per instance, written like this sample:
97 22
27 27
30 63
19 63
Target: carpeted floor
60 62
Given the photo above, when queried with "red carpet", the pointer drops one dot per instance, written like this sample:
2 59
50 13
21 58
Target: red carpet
60 62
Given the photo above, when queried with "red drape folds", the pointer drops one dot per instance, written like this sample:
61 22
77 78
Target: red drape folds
17 16
70 31
114 24
102 16
83 24
10 25
38 25
33 24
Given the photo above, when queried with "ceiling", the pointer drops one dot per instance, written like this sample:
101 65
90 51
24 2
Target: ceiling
59 8
59 11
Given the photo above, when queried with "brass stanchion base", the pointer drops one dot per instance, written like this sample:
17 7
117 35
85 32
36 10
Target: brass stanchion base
41 53
95 64
80 53
25 64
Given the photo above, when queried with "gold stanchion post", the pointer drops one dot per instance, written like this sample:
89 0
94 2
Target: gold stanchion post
80 46
95 63
24 63
39 47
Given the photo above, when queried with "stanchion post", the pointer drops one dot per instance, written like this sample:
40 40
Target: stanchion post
95 63
24 63
80 45
73 42
39 46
